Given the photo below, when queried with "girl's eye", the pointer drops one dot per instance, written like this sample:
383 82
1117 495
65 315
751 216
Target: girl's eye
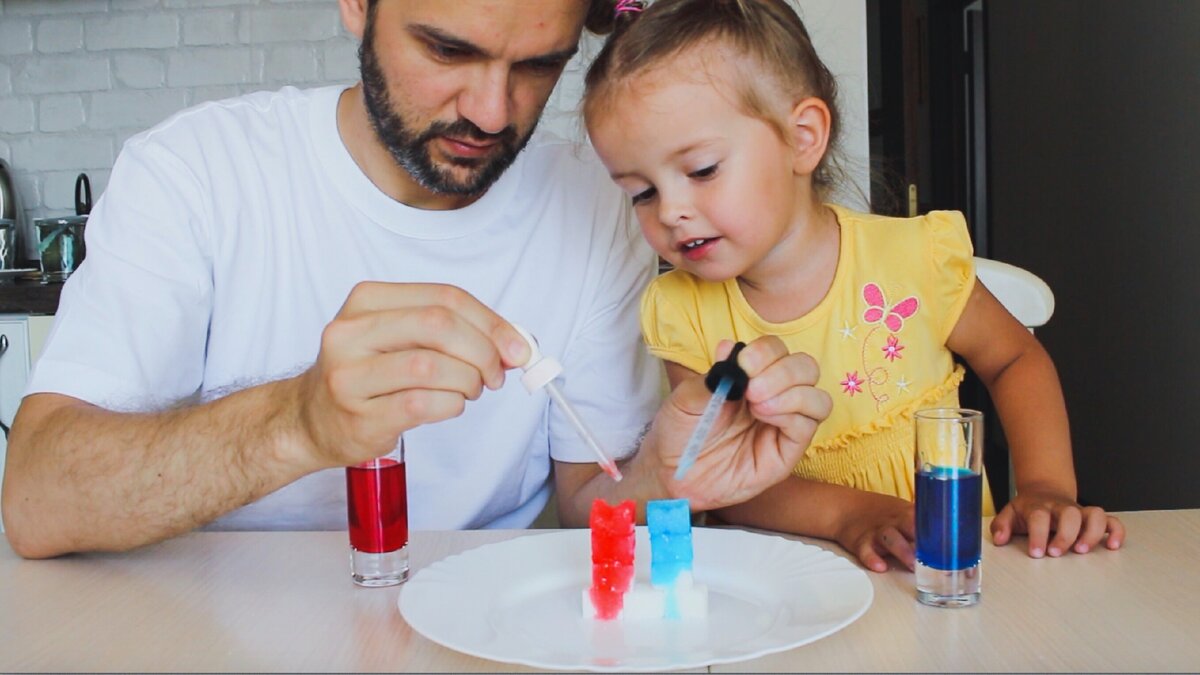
706 172
643 196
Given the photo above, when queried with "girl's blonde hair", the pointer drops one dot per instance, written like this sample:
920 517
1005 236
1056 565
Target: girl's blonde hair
768 31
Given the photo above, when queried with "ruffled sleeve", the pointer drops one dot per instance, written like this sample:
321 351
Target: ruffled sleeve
952 267
671 331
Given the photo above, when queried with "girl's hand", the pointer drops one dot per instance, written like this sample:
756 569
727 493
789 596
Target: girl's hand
879 526
754 443
1039 513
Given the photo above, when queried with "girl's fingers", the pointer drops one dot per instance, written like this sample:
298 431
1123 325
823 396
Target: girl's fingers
1095 524
1038 524
1002 525
1116 533
898 546
787 372
870 558
799 400
1067 522
760 355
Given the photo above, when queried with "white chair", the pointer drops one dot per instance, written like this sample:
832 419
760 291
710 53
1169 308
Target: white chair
1022 292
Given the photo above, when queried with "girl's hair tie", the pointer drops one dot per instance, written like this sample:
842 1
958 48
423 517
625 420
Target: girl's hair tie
628 7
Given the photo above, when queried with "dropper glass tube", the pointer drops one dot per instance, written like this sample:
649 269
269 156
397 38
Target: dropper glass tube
606 462
540 373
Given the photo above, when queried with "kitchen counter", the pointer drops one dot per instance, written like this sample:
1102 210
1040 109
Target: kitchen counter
29 296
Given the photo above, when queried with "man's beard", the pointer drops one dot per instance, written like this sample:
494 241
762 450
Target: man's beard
411 149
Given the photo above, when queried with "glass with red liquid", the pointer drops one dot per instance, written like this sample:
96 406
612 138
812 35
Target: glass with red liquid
377 505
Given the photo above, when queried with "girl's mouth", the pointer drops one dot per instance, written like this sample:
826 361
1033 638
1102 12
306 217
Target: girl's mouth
695 249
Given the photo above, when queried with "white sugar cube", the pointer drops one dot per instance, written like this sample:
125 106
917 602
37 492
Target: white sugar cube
645 602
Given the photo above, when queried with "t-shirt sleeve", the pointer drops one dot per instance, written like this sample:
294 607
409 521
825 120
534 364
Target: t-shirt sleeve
953 266
671 332
608 376
132 322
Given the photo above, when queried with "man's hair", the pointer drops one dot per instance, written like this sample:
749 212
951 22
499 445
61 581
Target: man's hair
768 31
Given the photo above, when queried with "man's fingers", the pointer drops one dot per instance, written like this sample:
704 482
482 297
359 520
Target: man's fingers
370 297
413 407
415 328
424 369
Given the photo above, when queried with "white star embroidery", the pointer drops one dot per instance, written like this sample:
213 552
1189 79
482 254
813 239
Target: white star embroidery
902 384
847 331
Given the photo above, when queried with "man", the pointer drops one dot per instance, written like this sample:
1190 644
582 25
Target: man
229 262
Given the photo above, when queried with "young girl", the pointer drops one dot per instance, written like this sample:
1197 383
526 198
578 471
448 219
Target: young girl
717 118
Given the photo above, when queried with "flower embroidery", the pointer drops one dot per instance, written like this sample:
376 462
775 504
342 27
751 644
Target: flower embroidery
852 384
892 351
876 308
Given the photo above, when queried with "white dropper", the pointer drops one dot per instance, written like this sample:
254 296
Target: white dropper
540 371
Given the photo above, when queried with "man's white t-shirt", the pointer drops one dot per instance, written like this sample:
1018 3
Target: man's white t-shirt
231 234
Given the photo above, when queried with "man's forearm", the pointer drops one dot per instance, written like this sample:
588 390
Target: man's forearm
638 483
82 478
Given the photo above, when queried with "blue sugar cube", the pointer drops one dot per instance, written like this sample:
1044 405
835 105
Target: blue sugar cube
670 526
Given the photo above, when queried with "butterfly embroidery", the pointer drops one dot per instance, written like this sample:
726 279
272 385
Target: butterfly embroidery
877 308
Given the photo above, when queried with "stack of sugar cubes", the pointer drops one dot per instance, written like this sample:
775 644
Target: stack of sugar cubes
672 592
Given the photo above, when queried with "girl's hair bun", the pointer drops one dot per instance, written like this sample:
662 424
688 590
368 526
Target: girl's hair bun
608 16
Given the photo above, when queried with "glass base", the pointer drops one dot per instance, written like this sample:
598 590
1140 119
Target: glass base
948 588
375 570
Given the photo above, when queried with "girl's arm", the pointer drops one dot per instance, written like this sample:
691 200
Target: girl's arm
869 525
1024 386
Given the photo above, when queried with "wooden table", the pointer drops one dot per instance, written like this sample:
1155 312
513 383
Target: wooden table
283 601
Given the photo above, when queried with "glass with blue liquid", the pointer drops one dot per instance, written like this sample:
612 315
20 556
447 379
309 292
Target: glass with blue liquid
949 494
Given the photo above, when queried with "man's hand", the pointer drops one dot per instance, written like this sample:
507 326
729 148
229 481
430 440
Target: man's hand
755 442
397 356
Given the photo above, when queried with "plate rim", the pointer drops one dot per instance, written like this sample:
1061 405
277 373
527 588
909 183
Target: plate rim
855 570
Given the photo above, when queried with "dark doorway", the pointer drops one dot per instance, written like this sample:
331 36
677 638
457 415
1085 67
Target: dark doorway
1065 131
928 133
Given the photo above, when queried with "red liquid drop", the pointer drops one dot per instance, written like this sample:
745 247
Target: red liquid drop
377 499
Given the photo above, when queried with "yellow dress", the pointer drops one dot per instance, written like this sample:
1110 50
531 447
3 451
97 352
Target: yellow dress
879 336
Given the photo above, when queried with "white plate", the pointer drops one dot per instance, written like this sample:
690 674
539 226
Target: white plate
519 601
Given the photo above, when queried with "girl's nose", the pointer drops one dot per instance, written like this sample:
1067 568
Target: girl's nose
673 211
485 101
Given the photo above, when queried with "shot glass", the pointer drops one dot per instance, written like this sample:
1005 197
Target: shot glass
377 505
949 487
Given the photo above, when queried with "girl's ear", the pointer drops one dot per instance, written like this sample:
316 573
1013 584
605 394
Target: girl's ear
354 16
809 124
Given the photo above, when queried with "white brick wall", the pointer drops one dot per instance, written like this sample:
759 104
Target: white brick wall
79 77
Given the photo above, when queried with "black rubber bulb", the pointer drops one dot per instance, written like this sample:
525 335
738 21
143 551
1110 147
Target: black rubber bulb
729 368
